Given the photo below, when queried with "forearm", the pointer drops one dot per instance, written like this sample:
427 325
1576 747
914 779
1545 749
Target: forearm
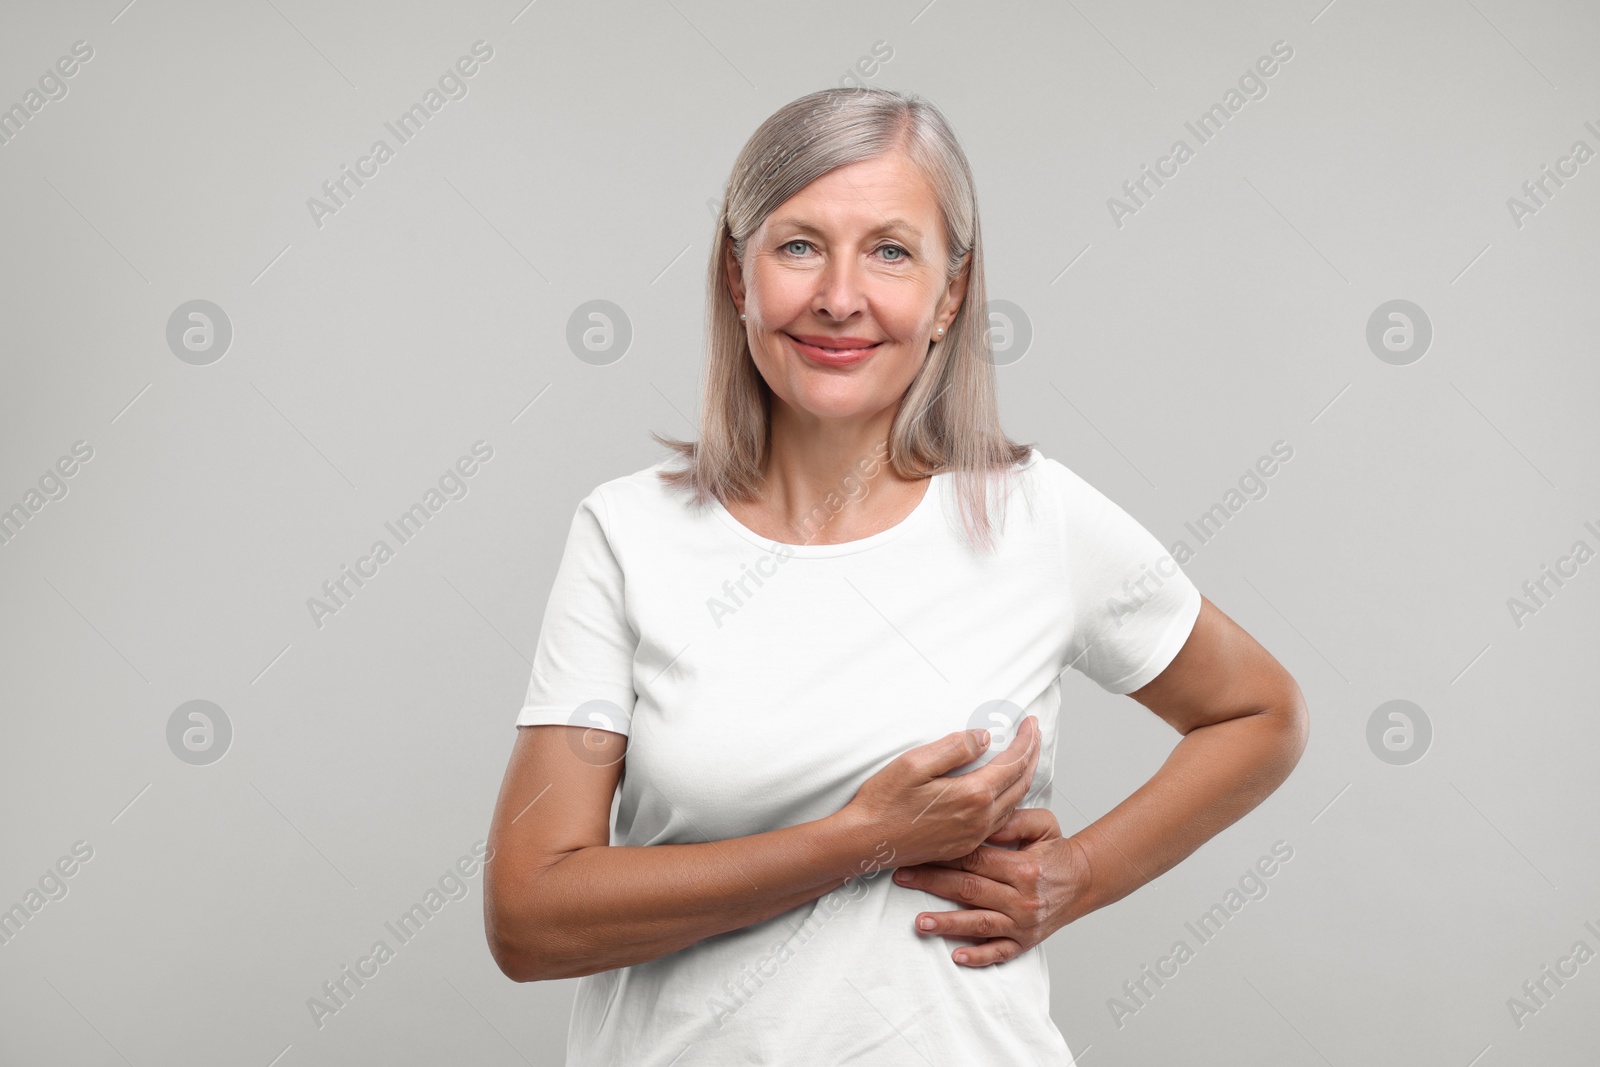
1213 777
604 907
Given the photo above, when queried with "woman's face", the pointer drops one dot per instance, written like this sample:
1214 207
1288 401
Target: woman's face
853 262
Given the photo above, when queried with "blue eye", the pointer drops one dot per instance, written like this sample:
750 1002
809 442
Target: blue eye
788 247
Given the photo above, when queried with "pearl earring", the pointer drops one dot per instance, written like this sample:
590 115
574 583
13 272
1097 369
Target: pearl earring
741 316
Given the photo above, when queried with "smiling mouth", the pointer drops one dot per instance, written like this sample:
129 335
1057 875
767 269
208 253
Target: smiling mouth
835 357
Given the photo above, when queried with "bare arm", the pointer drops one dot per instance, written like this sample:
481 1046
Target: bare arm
1244 724
557 882
561 902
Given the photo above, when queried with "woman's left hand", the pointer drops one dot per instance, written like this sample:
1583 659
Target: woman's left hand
1014 898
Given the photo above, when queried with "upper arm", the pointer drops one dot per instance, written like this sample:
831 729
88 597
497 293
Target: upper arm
555 799
1220 673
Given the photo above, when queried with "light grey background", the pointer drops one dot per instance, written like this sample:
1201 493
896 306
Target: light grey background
432 310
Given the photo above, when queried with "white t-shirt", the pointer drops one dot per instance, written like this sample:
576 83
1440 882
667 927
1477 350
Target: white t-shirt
760 684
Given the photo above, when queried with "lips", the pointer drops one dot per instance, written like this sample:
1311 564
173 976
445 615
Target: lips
833 351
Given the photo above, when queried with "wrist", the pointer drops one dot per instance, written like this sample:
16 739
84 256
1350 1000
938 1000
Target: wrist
1081 895
848 848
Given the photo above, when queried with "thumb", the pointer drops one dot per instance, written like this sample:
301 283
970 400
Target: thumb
951 751
1024 824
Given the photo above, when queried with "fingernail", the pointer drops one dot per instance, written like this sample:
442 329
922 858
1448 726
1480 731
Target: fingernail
925 923
981 736
961 957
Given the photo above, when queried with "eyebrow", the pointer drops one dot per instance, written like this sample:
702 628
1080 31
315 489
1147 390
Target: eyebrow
894 225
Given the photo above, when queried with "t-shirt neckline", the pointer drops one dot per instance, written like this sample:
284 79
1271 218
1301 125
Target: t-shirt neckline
930 500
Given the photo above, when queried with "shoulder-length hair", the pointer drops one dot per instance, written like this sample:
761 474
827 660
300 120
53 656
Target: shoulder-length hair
948 419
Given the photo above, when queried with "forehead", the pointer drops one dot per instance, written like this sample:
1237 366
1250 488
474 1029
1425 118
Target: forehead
889 192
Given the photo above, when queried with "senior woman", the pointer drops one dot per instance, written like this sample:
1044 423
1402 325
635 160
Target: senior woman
825 643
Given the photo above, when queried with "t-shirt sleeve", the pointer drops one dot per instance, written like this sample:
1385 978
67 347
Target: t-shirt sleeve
583 664
1132 606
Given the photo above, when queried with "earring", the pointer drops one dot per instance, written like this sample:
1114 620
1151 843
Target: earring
741 316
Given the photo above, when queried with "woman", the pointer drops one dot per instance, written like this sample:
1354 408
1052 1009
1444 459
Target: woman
804 674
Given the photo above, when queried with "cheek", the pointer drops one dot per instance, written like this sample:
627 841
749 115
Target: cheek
779 295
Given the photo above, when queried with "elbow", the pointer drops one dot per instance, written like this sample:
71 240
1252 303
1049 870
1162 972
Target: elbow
528 948
1294 719
525 960
513 956
515 963
521 947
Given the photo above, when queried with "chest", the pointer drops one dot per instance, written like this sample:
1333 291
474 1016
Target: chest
770 689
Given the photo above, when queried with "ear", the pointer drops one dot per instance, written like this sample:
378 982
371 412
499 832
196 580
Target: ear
955 292
733 273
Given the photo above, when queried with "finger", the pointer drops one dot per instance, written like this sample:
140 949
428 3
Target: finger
994 951
949 752
996 864
1012 761
973 925
1015 754
1015 790
1027 824
969 862
976 889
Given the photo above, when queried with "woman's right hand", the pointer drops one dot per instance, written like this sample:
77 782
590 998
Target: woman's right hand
924 816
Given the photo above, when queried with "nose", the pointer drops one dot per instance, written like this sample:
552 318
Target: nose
839 292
